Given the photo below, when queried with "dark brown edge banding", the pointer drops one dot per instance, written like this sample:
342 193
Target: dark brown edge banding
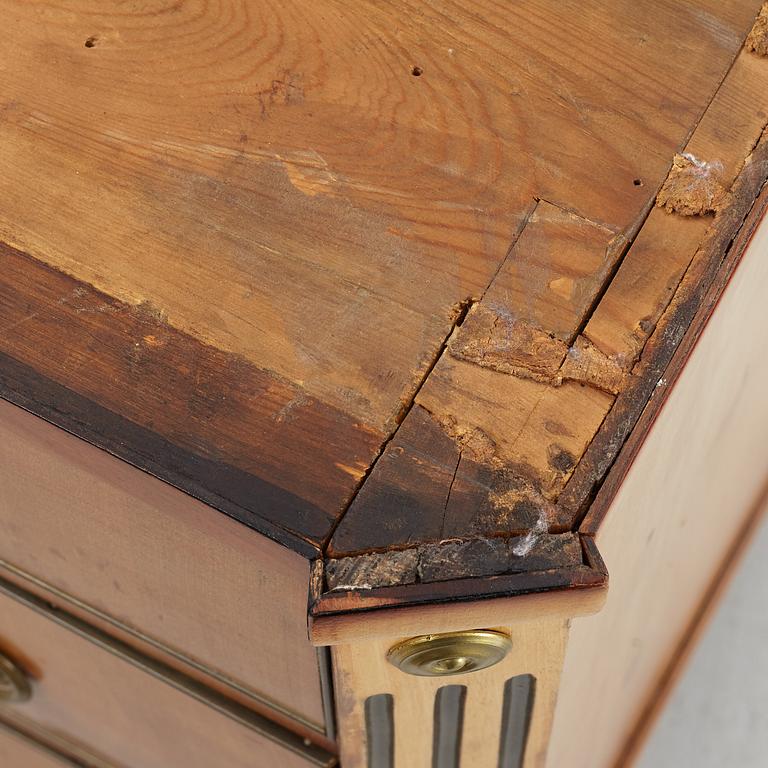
458 590
673 341
142 448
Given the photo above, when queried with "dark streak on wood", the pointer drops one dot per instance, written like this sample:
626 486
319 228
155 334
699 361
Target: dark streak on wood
492 557
422 461
458 590
203 420
450 560
225 488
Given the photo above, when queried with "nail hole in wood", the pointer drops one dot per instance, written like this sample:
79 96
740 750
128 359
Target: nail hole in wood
416 71
90 42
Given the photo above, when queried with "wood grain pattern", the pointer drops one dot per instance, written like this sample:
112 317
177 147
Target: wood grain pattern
208 418
673 269
253 226
710 263
449 445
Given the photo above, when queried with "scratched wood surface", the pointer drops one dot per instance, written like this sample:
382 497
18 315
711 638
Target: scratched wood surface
253 246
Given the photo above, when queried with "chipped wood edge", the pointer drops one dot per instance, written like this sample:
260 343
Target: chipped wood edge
433 618
596 479
757 40
358 615
682 324
564 589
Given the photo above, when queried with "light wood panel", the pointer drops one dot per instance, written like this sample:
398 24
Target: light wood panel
17 752
158 561
83 690
361 670
36 747
683 502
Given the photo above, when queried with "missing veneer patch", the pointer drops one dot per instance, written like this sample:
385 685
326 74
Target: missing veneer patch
757 40
587 364
372 571
492 337
453 559
693 187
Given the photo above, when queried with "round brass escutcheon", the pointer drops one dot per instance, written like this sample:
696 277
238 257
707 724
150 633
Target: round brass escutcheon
14 683
452 653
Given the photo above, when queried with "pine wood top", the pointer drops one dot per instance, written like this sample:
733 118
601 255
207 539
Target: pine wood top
364 276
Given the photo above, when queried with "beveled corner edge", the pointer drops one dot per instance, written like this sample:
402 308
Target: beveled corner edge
353 614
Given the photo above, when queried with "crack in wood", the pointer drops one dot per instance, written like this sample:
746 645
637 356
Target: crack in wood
452 559
464 308
448 496
582 359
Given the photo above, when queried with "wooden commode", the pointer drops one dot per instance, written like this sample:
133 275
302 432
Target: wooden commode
381 384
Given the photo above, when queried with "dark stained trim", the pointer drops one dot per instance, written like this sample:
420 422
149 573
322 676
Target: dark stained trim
454 559
121 377
611 452
666 353
458 590
223 487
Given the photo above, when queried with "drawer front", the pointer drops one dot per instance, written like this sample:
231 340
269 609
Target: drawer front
17 751
182 574
132 710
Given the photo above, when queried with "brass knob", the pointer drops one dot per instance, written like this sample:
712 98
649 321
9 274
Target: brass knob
14 683
452 653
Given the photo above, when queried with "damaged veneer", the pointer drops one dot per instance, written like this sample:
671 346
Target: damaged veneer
452 570
453 560
486 449
516 425
757 41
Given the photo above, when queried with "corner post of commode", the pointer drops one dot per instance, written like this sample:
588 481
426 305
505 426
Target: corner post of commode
469 683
